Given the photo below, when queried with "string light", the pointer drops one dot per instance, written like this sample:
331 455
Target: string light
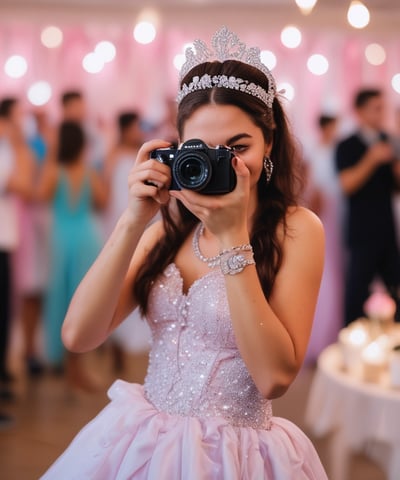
291 36
16 66
358 14
144 32
396 82
306 6
93 63
106 50
375 54
39 93
51 37
268 58
318 64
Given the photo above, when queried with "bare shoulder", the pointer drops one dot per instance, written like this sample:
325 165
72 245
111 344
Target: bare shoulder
304 233
303 244
303 221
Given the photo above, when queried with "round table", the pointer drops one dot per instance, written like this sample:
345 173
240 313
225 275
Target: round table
360 416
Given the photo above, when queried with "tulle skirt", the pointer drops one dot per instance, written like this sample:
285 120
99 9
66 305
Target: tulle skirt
131 439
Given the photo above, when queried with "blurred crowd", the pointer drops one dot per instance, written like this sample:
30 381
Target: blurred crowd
63 186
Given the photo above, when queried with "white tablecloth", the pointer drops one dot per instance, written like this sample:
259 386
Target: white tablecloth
361 416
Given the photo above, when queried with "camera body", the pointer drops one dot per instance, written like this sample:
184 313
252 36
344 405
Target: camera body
195 166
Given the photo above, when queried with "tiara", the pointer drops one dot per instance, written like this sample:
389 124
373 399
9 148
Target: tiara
226 46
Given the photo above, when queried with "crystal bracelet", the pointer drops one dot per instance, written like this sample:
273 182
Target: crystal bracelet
235 259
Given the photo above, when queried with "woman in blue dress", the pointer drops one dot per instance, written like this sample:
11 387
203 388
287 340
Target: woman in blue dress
75 191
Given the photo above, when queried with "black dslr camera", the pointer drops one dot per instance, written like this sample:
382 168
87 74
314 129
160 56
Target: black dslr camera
195 166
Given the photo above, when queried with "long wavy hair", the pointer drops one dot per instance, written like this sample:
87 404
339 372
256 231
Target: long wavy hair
274 197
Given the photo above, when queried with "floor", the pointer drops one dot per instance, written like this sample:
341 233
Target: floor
47 414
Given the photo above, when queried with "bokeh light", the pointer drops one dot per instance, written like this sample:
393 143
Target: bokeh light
93 63
375 54
105 50
51 37
144 32
358 15
39 93
16 66
287 91
291 36
179 60
396 82
306 5
268 58
317 64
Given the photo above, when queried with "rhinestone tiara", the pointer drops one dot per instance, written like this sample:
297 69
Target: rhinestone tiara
226 46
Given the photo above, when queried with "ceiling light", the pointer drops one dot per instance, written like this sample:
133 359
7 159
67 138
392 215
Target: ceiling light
306 5
358 15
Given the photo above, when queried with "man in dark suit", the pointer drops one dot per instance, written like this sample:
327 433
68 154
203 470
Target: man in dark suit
368 174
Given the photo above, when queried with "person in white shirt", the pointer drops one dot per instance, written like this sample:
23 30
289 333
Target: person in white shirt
14 180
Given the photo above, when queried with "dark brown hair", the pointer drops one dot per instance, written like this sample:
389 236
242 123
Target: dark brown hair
71 142
364 95
70 96
274 198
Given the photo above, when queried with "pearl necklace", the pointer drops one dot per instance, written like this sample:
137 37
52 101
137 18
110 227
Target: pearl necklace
212 262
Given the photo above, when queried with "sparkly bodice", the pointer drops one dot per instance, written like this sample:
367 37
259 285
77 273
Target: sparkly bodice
195 368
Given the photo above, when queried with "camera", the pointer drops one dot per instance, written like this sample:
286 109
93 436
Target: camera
196 166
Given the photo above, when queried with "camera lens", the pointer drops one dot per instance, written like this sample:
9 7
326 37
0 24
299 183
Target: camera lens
192 170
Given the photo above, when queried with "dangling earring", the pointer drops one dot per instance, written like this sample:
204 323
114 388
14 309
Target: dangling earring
268 167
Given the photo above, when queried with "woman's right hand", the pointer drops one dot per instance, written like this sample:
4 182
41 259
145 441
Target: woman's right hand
148 183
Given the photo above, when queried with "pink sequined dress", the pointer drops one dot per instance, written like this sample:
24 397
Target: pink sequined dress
199 415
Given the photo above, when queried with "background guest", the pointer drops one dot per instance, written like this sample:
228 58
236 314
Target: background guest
15 172
131 340
74 190
33 256
326 200
368 175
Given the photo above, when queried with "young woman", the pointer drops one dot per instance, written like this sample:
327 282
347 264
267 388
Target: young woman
74 190
228 284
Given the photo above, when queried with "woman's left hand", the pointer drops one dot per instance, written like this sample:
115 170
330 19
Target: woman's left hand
224 215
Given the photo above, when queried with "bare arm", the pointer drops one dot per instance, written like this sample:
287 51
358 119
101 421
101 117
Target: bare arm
353 178
271 335
46 185
20 180
101 190
104 297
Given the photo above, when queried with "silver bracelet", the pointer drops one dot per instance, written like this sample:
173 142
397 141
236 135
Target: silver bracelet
235 260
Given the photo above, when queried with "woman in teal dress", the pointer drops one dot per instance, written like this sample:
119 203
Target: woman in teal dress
75 191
